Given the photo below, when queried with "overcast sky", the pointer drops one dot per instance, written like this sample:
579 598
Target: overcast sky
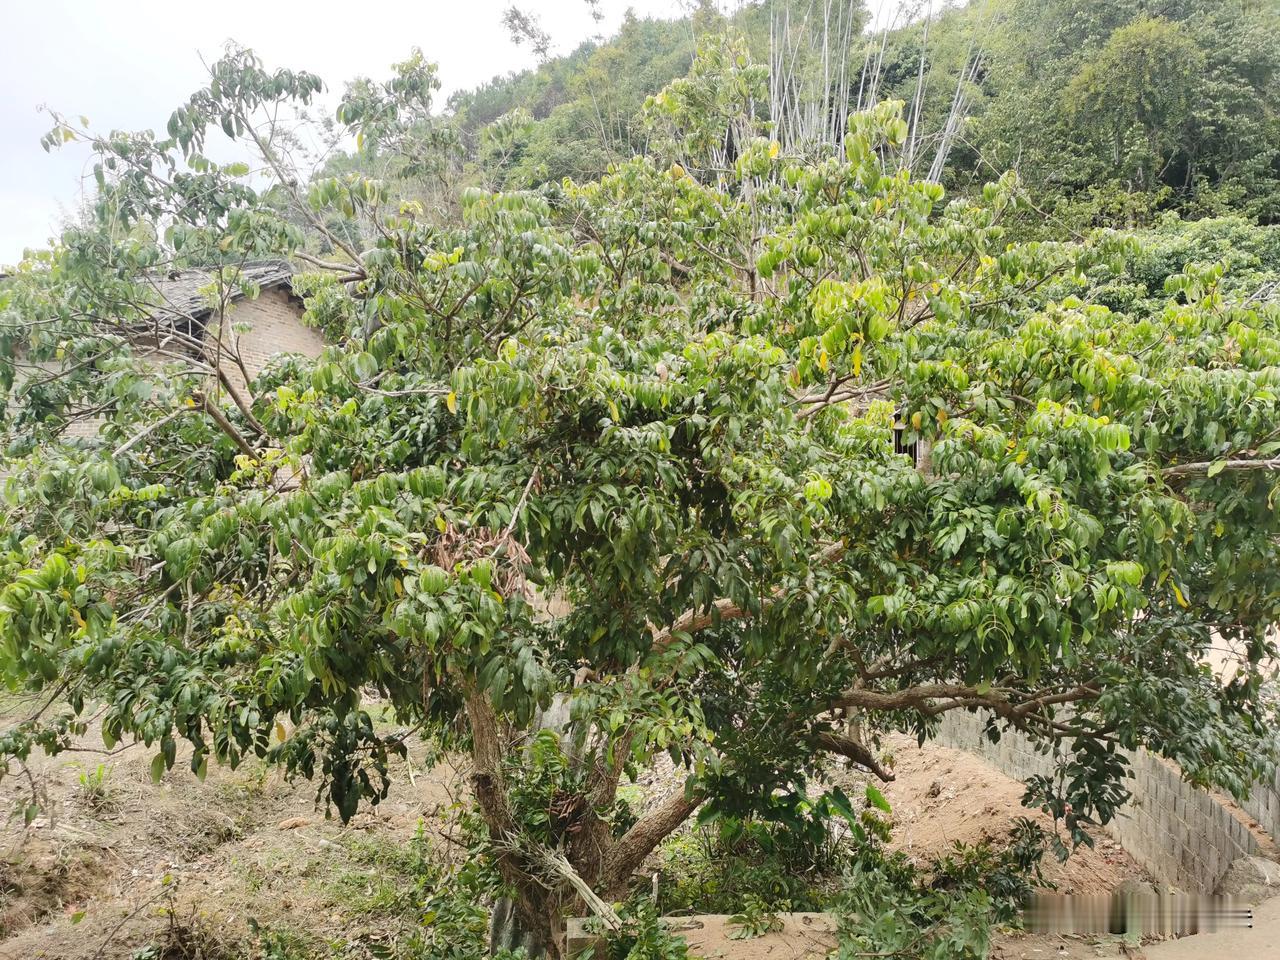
127 65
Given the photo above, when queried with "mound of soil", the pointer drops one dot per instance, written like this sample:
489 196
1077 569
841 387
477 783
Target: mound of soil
942 796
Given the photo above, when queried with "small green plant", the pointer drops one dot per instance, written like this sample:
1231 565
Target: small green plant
95 791
642 937
891 907
756 919
276 944
1007 872
721 865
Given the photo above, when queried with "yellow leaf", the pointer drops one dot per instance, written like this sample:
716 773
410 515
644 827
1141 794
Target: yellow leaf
75 615
1097 404
774 148
1182 601
399 588
440 524
824 361
916 420
451 401
280 731
857 360
942 416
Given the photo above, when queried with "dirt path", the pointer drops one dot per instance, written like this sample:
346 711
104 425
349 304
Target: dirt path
1261 942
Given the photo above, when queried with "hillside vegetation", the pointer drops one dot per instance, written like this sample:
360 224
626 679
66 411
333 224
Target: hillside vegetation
1111 111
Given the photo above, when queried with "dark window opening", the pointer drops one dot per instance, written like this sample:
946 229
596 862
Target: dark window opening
900 446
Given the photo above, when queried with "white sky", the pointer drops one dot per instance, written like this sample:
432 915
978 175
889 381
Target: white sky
127 65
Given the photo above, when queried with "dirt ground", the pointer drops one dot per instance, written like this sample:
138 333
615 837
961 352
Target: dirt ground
115 862
941 796
112 868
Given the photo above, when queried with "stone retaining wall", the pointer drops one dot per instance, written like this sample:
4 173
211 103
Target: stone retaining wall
1177 831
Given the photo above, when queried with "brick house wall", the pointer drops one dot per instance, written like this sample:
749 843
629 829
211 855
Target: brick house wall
274 321
275 326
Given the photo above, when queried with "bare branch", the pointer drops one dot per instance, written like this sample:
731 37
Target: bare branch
353 270
145 432
1235 466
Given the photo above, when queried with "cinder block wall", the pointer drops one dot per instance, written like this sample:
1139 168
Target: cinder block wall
1177 831
1264 805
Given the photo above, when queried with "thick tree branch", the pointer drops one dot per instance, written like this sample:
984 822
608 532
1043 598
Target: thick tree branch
854 750
638 842
241 404
225 425
937 698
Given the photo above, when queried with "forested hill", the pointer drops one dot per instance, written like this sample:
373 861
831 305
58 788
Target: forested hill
1111 111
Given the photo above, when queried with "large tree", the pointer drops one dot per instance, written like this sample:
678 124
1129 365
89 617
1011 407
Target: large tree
631 448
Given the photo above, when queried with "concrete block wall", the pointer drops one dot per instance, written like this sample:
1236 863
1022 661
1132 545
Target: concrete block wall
1264 805
1177 831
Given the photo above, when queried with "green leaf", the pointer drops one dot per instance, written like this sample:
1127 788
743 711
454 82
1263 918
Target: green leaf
877 799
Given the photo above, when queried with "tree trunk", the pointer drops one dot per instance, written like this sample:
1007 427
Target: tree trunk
533 918
508 932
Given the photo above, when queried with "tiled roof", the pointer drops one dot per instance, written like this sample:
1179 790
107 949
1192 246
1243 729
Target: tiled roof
180 289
